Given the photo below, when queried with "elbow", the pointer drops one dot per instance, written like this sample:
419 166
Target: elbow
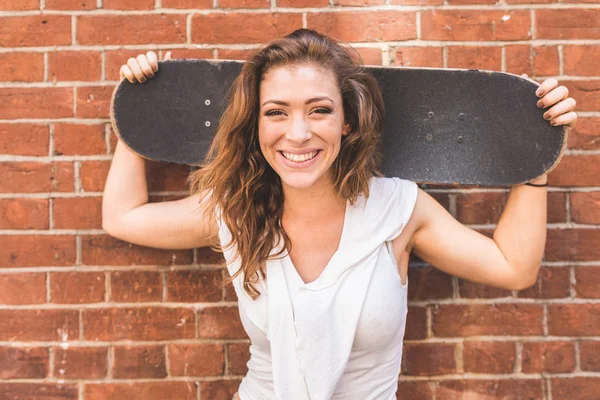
524 281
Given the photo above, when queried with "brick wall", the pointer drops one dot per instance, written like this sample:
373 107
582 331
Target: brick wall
85 316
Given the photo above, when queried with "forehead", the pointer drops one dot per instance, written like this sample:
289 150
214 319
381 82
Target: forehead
300 81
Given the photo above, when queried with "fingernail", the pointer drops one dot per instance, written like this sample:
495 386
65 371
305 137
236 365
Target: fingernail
553 123
540 92
540 104
547 116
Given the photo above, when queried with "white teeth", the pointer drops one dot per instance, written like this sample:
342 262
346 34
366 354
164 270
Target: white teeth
300 157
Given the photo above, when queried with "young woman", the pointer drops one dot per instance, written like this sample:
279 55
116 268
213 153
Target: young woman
316 243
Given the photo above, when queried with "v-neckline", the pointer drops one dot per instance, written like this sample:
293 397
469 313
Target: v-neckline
335 255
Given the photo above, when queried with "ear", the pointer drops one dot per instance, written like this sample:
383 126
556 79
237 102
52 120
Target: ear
346 129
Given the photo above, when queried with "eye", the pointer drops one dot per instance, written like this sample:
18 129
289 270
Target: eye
273 112
323 110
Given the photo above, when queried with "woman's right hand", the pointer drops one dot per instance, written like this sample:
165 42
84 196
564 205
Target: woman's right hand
142 67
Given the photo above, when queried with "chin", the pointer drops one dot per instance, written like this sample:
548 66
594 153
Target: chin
301 181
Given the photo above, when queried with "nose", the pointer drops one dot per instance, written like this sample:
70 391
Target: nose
298 131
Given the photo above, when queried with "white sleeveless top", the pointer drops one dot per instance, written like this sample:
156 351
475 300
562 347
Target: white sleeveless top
340 336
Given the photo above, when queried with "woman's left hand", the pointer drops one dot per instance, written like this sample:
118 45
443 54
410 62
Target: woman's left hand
557 98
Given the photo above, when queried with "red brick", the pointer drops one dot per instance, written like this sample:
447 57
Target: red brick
469 24
303 3
587 93
233 28
128 4
465 2
70 4
135 286
577 388
219 390
370 56
489 357
475 57
23 67
34 251
416 323
490 389
191 4
530 1
579 60
557 207
24 139
39 325
180 54
36 103
23 362
244 4
234 54
480 208
137 362
519 59
587 282
483 319
78 213
80 362
74 66
574 319
193 286
418 56
147 323
428 283
202 359
141 390
106 250
25 288
418 2
24 214
545 60
553 357
468 289
22 5
358 3
585 207
166 177
35 30
79 139
131 29
93 175
426 359
584 135
552 283
365 26
94 102
239 354
33 177
572 23
572 245
116 58
77 287
415 390
37 391
587 167
590 355
220 323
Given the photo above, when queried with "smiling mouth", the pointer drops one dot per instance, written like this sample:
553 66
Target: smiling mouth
300 157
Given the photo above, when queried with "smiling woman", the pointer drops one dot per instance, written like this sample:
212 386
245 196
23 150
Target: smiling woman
316 242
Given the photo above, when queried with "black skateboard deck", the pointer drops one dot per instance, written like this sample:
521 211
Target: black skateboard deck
442 126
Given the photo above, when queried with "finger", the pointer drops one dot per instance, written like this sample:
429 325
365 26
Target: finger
546 86
561 107
168 56
145 66
569 119
525 75
152 60
553 97
125 72
135 68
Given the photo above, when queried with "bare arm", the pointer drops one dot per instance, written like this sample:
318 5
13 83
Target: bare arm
126 213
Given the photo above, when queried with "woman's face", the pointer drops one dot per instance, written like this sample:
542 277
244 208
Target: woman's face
301 124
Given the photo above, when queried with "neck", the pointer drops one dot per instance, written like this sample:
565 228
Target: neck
314 203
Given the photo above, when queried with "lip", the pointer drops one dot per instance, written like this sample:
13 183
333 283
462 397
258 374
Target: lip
299 165
300 151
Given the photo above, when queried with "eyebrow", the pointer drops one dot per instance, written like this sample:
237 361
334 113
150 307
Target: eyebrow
312 100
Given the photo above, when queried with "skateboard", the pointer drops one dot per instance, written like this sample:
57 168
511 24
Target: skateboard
442 126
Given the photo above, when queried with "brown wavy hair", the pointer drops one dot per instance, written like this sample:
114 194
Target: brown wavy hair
244 188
